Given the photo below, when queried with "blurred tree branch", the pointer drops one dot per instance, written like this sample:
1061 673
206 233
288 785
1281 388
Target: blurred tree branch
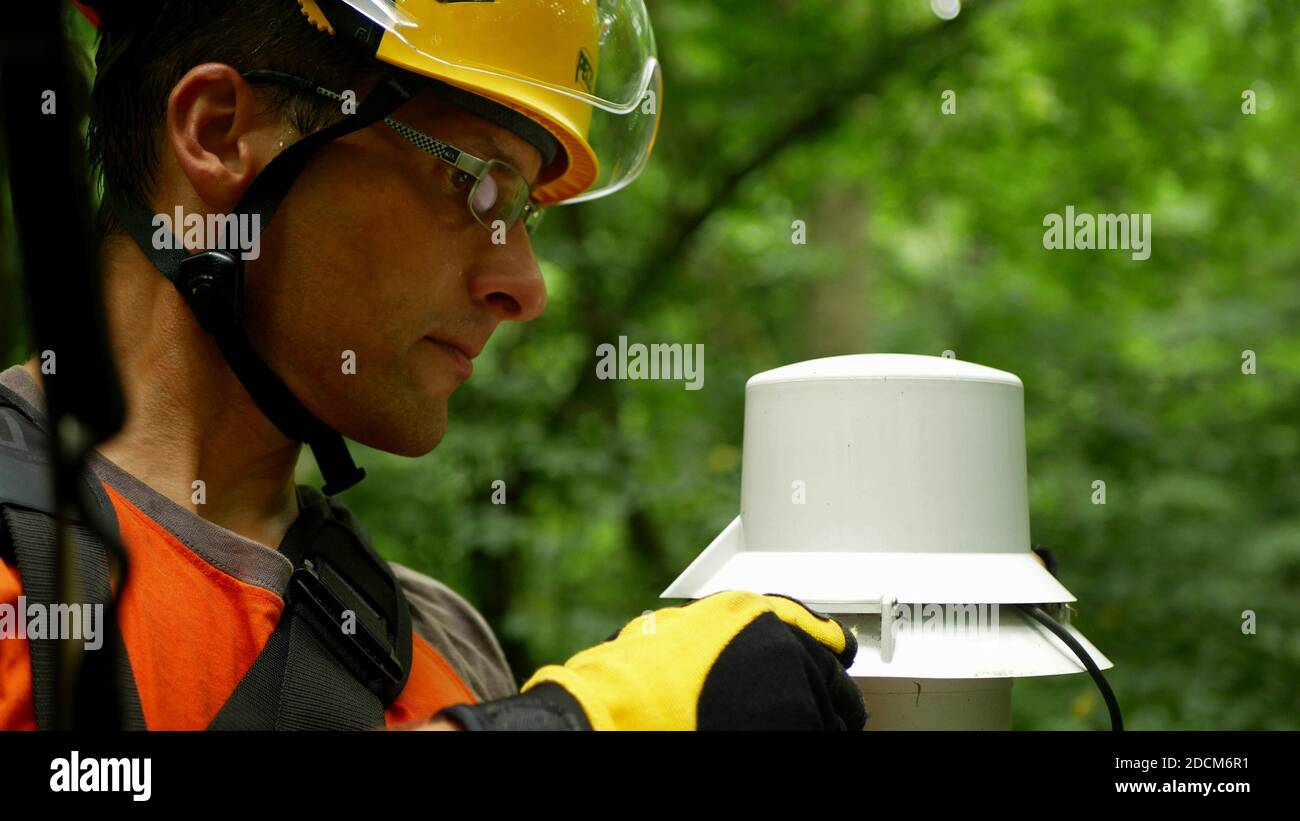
920 52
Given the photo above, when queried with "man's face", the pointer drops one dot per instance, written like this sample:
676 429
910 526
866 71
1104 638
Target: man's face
374 252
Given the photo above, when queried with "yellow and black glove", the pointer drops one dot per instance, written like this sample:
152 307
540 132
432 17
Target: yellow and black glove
730 661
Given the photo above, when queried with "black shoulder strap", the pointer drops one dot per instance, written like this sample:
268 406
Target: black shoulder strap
342 650
28 536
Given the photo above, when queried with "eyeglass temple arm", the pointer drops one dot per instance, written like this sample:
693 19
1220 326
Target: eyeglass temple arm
466 162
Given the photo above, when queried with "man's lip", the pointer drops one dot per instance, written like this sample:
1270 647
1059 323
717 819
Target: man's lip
470 349
463 352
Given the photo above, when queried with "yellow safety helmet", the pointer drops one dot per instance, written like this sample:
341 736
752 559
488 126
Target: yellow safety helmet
585 70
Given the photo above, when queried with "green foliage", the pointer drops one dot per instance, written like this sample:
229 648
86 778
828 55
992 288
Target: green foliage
924 234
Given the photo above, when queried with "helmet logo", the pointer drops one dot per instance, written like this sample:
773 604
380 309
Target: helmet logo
586 72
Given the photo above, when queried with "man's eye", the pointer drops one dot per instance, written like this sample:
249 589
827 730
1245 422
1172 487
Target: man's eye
461 179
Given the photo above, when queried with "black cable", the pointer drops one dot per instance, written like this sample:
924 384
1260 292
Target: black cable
1039 615
59 258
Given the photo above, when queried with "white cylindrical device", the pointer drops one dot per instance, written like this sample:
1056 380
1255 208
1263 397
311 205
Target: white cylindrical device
892 491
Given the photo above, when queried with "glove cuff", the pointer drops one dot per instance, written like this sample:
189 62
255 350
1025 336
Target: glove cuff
545 707
576 687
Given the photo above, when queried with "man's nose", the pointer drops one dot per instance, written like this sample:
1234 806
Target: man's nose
508 278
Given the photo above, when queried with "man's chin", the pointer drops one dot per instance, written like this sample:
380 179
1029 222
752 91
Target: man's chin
407 435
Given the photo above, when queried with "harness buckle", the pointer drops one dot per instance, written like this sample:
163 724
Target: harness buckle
352 607
348 621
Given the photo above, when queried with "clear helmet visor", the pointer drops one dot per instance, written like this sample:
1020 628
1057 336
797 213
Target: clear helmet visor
587 70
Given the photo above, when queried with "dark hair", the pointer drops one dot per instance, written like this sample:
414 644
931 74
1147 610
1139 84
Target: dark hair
146 47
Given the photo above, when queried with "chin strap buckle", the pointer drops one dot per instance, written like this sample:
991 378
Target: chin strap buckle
213 284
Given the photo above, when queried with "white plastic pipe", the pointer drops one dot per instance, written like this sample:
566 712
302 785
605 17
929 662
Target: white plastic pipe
937 704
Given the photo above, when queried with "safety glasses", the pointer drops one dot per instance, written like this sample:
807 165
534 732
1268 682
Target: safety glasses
497 194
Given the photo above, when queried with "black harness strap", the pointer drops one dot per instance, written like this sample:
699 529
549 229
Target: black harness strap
295 684
342 650
33 538
28 536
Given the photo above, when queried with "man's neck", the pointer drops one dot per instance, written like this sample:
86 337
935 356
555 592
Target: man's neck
189 420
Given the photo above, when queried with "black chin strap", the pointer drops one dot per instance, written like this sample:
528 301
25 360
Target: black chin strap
212 283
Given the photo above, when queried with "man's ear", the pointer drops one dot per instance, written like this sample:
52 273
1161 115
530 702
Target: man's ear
218 134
